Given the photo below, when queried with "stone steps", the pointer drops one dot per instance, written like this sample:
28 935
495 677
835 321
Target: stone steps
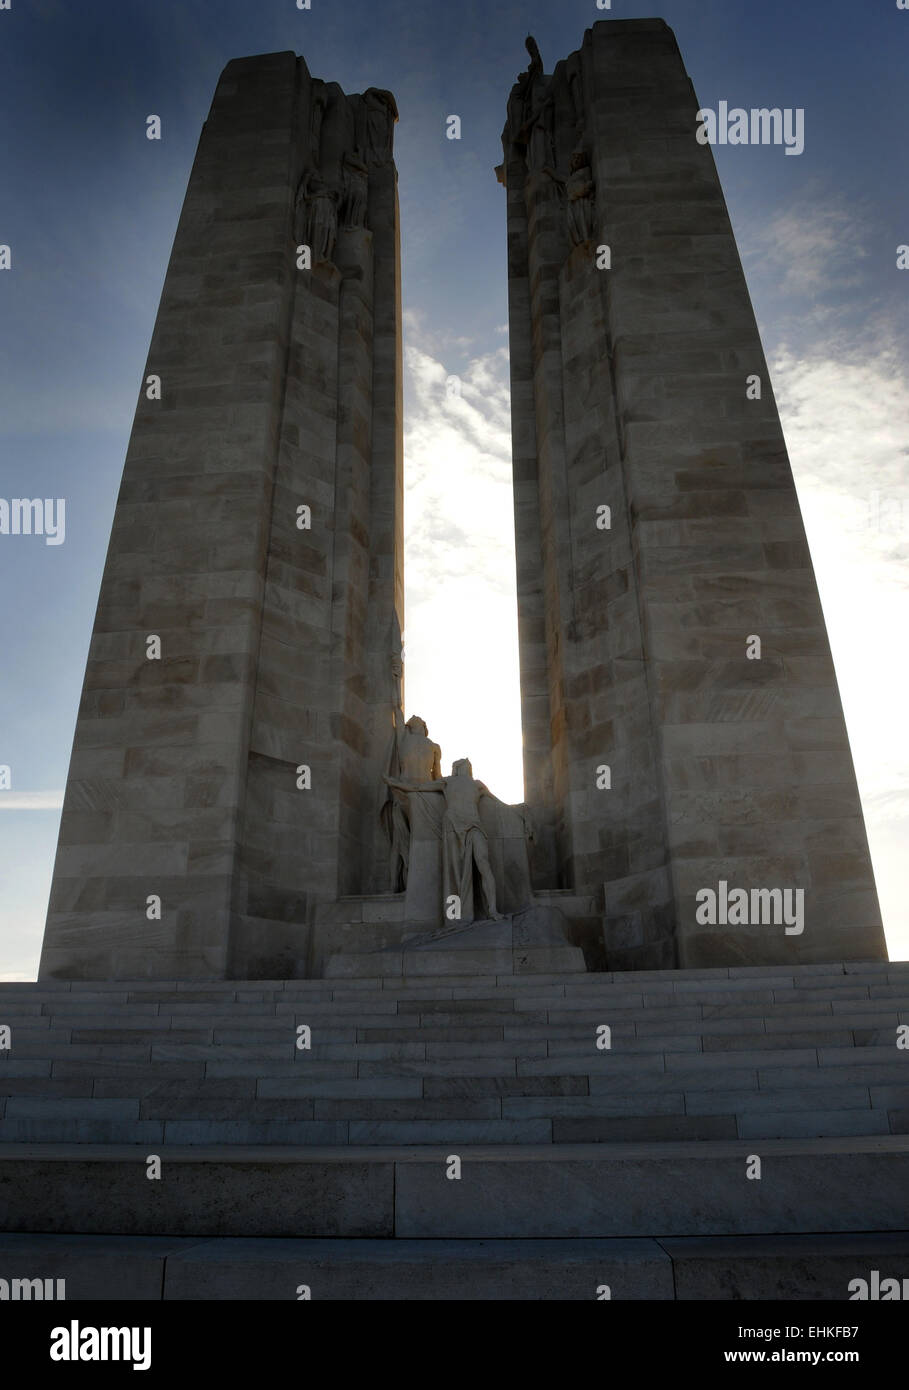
579 1168
760 1053
669 1188
249 1269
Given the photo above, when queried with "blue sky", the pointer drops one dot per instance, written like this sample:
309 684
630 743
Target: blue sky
89 208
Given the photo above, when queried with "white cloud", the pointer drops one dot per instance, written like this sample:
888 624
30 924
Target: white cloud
31 801
461 614
845 413
811 246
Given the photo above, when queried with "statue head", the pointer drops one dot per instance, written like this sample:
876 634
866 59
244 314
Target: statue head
461 768
416 725
379 96
579 160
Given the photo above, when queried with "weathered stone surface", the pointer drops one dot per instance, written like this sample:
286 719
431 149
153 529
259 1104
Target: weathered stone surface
207 1192
280 387
106 1267
421 1058
783 1267
629 391
244 1269
596 1190
534 941
425 1270
350 1140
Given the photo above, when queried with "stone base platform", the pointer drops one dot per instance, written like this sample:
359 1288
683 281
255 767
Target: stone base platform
532 942
365 924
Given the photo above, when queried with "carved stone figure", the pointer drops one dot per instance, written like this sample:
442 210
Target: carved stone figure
380 112
579 191
337 134
415 759
418 756
322 218
516 105
576 92
319 102
356 191
464 843
534 87
540 149
535 66
527 95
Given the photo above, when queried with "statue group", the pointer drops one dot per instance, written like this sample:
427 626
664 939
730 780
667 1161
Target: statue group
532 123
333 192
457 852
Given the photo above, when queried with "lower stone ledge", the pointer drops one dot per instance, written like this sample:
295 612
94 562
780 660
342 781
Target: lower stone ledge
832 1268
666 1189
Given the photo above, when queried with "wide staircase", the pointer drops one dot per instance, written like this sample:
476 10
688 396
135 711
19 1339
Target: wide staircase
412 1136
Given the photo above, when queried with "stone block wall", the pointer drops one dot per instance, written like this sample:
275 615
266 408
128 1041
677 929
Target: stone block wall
629 390
280 387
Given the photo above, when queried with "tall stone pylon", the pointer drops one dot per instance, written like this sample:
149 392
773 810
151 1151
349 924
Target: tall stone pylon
241 680
658 534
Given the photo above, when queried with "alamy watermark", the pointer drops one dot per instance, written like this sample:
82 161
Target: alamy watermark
875 1289
739 907
761 125
29 1290
30 516
79 1343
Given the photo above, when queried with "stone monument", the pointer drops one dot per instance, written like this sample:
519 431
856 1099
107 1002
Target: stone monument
239 694
244 798
658 533
256 781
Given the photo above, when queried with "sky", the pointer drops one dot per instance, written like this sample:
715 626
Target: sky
89 208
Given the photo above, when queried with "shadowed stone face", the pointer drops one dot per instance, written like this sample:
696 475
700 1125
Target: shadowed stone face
632 340
237 780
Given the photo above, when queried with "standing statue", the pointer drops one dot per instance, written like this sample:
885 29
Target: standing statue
464 842
380 112
579 191
528 94
356 190
534 67
516 105
540 147
321 205
319 102
415 759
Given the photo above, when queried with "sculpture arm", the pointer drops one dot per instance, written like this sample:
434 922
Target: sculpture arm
415 786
